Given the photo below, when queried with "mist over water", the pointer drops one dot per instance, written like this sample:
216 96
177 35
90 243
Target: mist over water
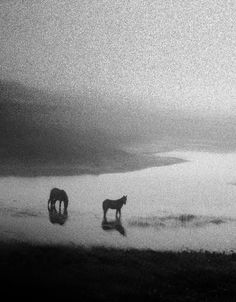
177 170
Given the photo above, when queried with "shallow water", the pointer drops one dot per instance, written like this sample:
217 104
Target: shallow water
191 205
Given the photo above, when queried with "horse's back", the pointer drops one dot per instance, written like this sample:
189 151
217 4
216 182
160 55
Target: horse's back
110 203
58 193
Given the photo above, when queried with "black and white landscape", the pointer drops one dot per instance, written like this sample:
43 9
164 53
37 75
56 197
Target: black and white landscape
108 99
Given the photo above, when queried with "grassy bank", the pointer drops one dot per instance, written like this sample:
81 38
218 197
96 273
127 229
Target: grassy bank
110 275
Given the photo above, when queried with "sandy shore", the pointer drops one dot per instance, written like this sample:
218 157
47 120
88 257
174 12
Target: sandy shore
102 274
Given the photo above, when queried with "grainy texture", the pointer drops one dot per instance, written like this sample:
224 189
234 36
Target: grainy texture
112 274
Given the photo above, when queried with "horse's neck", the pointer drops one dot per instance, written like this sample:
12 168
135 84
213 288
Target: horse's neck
121 200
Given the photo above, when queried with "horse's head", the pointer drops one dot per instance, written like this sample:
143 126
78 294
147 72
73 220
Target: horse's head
124 199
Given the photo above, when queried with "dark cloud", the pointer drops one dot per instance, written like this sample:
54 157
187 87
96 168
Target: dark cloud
35 127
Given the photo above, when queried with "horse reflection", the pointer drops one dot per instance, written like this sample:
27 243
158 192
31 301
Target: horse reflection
57 217
113 225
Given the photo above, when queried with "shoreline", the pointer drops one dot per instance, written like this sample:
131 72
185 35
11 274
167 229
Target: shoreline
120 163
105 274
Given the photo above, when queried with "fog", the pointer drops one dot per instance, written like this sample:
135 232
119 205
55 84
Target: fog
169 54
42 127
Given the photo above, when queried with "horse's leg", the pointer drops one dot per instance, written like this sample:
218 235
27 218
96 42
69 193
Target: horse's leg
53 203
65 205
118 212
105 213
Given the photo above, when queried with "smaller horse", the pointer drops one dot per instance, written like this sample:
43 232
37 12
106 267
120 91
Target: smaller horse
60 195
114 204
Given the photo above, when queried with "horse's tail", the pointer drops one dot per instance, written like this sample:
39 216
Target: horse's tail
49 200
66 199
104 205
51 197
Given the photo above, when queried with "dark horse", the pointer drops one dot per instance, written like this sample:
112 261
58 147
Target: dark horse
60 195
114 204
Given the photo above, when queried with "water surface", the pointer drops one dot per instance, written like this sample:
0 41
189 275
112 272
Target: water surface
191 205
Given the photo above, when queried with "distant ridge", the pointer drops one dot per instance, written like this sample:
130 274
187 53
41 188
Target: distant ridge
44 131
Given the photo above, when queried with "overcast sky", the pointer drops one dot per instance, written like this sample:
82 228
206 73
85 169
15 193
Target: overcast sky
172 53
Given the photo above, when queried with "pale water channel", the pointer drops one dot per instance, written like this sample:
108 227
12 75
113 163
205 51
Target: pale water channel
191 205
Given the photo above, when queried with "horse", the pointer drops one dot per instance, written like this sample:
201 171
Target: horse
114 204
60 195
